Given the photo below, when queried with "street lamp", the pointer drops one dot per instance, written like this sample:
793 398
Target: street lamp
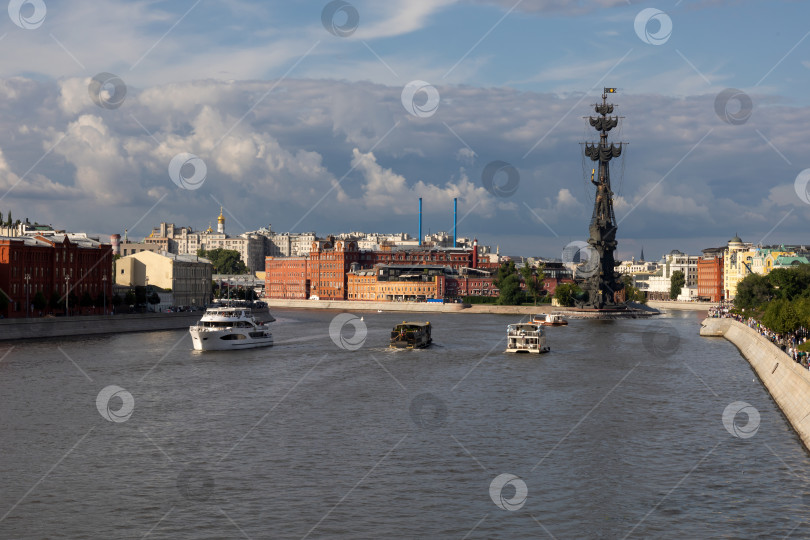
104 291
67 295
27 286
147 292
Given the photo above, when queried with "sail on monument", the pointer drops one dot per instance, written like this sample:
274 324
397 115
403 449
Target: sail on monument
601 282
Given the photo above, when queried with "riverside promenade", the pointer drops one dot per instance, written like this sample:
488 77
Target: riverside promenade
787 381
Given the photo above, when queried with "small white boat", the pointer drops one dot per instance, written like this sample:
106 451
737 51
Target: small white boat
549 319
226 328
526 338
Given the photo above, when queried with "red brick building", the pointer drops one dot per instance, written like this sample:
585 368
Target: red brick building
46 261
286 277
710 275
324 272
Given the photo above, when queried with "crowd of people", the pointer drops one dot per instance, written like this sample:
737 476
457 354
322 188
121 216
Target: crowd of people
789 343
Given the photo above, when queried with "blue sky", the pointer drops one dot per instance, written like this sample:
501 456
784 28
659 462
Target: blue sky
307 130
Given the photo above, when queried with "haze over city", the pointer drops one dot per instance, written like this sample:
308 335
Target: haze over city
305 117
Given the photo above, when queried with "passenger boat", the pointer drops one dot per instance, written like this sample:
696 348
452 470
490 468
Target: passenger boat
225 328
411 335
549 319
526 338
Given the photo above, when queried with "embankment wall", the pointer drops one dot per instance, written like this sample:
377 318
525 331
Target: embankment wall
11 329
787 381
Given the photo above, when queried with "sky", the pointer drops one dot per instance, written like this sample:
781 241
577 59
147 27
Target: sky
337 116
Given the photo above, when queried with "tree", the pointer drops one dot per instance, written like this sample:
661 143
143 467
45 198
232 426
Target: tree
753 291
676 283
508 284
140 294
57 302
567 293
225 261
154 298
633 294
117 300
781 316
3 301
39 301
129 298
533 277
86 300
787 283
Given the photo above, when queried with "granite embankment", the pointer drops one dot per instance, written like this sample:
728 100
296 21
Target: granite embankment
415 307
682 306
787 381
38 328
430 307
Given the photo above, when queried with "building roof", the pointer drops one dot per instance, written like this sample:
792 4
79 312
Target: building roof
172 256
787 260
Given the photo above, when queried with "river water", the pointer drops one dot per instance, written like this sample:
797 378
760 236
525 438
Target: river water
618 432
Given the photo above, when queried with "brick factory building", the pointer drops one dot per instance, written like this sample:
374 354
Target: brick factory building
710 274
336 270
46 261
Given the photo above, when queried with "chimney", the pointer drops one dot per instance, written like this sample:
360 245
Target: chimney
420 221
455 220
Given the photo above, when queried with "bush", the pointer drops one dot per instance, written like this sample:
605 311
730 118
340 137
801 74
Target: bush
480 300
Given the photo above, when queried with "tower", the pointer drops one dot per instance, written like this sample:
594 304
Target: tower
602 284
221 222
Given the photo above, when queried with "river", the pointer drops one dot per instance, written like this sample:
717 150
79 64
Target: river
618 432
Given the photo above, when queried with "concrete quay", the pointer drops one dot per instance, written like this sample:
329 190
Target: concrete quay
669 305
430 307
87 325
786 381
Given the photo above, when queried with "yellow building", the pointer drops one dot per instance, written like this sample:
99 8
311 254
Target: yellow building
188 277
737 263
364 285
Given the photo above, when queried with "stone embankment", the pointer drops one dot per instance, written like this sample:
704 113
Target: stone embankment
430 307
787 381
681 306
38 328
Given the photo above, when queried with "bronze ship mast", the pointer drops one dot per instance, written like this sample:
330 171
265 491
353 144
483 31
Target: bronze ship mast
602 284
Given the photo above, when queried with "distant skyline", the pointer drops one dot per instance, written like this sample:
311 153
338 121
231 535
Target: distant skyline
337 116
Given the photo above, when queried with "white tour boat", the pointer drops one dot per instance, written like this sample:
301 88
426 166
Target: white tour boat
526 338
550 319
225 328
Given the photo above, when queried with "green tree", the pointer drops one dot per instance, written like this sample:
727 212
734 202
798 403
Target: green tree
567 293
787 283
86 299
633 294
117 300
533 278
781 316
3 301
140 294
129 298
676 283
508 284
57 302
753 291
225 261
39 301
154 298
